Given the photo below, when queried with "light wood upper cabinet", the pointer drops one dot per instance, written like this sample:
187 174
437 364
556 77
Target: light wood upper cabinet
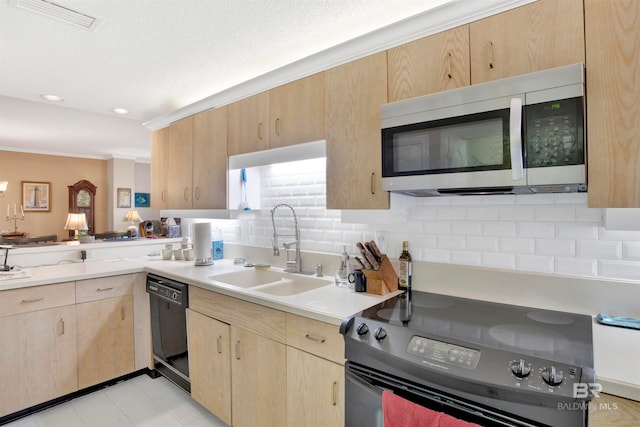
159 166
613 91
210 159
540 35
297 111
210 364
430 64
179 153
354 93
248 124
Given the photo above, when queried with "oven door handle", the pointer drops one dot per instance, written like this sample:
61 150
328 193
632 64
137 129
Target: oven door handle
515 139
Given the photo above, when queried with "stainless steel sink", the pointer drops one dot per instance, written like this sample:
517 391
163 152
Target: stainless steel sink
247 278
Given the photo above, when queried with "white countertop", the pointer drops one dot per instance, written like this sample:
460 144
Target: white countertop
328 303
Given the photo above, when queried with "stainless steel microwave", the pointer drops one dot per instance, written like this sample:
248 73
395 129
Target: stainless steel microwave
522 134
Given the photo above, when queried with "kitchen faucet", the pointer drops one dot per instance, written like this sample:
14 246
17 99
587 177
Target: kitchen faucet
293 266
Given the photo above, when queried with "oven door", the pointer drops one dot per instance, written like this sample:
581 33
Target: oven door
363 401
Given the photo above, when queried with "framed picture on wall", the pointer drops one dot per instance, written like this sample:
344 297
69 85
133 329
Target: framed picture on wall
36 196
124 197
142 200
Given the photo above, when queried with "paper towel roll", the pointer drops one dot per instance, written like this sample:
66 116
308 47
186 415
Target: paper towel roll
202 243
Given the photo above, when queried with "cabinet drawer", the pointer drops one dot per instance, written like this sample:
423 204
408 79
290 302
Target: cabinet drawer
265 321
24 300
313 336
104 287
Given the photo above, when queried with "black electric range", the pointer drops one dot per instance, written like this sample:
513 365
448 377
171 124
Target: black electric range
490 363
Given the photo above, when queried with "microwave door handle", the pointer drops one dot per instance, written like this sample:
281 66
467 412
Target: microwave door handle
515 139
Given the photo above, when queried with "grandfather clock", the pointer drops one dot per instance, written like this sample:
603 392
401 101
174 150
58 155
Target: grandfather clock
82 197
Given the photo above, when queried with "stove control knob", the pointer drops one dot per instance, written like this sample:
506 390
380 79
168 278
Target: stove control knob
380 334
520 369
552 376
362 329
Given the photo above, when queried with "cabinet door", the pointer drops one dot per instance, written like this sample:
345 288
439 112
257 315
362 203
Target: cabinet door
210 159
248 124
259 375
210 364
38 357
613 90
428 65
354 93
179 154
105 340
159 165
297 111
540 35
315 391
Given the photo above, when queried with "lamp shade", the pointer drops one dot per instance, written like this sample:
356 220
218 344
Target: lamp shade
132 216
76 221
3 186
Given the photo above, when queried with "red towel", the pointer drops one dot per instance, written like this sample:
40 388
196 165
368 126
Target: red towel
399 412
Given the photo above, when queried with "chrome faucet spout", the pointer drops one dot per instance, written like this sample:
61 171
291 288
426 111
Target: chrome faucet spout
295 266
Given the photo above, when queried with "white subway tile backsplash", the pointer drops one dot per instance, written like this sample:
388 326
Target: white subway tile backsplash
576 266
598 249
517 245
537 263
576 230
499 228
536 229
555 213
631 250
499 260
515 213
549 233
619 269
556 247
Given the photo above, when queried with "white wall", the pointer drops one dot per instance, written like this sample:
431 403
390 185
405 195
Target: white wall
556 234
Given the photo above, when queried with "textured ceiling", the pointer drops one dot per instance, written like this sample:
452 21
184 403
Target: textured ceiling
153 57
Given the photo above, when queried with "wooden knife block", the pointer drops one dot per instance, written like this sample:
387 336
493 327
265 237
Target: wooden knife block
382 281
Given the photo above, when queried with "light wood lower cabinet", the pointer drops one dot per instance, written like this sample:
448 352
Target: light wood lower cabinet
315 391
105 340
210 364
38 357
258 372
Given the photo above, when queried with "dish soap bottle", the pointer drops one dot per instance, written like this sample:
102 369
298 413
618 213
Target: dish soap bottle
404 279
343 271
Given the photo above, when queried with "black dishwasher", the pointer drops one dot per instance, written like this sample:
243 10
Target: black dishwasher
169 300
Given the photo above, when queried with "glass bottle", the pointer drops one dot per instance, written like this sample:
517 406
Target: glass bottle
343 270
404 279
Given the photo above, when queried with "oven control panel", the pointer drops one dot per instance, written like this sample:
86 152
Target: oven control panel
442 352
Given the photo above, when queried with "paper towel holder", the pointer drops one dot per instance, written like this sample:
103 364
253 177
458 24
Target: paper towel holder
202 249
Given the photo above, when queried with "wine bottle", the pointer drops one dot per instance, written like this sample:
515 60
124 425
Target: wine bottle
404 279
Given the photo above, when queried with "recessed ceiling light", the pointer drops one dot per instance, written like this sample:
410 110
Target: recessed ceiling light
120 110
52 98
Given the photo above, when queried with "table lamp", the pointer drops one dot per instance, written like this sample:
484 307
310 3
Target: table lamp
134 218
76 221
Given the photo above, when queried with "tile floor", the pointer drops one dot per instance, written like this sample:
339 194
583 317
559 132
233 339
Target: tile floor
140 401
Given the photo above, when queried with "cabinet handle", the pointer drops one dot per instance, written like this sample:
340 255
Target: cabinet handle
27 301
316 339
198 193
186 193
371 183
219 344
61 327
260 130
449 65
278 126
490 55
334 393
162 195
237 350
122 312
104 289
